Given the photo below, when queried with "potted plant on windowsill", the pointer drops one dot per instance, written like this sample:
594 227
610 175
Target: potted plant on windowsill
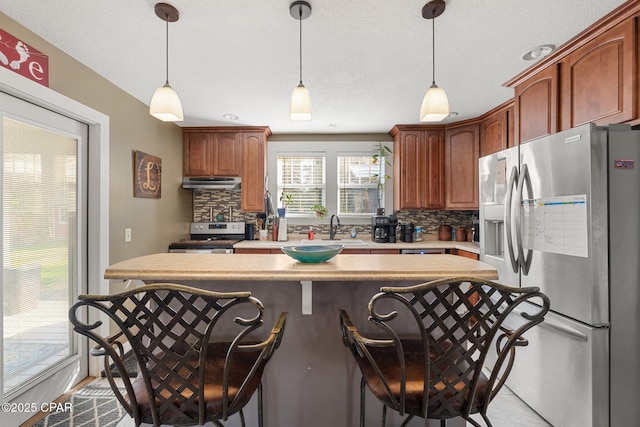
319 210
286 199
380 158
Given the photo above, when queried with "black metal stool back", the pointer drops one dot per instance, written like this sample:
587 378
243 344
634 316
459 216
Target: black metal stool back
196 359
434 367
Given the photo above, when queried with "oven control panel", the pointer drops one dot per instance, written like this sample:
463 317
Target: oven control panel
217 228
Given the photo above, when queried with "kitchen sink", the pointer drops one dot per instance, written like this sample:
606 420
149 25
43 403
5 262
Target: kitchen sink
346 242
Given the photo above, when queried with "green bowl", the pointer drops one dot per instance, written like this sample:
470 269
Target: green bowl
312 254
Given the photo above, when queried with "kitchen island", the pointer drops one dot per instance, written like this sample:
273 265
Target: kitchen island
384 267
312 379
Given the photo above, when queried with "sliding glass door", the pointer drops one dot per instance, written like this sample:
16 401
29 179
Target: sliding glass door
43 219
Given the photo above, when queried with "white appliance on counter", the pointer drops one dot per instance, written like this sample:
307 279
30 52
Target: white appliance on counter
563 213
282 229
211 238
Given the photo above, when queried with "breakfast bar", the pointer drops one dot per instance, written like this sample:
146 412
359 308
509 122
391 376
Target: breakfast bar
270 267
312 379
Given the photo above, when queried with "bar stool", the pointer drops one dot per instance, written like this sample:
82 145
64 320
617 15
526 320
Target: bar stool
197 359
433 368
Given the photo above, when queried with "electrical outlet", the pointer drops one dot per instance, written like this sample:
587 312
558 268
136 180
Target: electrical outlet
127 235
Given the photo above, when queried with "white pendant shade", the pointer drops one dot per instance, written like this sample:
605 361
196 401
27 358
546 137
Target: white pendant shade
165 105
300 107
435 105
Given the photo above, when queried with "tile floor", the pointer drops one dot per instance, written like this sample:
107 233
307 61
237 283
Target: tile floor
507 410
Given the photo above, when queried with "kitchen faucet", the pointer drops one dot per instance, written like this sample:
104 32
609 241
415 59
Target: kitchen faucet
333 229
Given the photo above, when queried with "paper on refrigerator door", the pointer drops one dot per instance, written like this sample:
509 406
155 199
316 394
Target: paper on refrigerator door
556 225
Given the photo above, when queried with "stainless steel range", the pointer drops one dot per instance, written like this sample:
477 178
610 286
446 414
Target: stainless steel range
211 237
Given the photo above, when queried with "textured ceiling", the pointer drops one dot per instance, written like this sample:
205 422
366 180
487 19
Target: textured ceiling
367 63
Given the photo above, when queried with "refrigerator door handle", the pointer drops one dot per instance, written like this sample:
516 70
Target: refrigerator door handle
525 178
559 327
511 188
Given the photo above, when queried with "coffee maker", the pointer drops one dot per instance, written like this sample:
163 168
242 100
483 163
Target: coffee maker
380 226
391 231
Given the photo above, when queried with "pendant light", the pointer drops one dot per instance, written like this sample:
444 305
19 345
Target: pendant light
300 106
435 104
165 104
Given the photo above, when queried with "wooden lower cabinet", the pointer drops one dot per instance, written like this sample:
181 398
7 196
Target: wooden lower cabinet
349 251
256 251
466 254
355 251
473 298
385 251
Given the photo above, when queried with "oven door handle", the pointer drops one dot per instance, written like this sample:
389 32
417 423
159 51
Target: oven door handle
202 251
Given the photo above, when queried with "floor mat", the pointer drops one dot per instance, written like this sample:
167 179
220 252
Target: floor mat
94 405
130 365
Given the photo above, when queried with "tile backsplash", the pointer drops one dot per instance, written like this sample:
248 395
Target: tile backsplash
208 204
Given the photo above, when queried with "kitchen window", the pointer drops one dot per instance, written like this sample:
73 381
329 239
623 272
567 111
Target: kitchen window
340 176
357 184
303 177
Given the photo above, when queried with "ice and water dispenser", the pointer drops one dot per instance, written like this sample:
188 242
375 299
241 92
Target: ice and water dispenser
492 230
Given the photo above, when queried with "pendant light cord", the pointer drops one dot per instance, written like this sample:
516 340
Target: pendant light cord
300 21
167 47
433 50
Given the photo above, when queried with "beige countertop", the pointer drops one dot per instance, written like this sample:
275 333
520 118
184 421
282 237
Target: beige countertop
266 267
296 239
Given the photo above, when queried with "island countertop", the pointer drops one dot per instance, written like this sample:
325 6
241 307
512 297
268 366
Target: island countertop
276 267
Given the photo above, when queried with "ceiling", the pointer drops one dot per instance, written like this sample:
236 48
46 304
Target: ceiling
366 63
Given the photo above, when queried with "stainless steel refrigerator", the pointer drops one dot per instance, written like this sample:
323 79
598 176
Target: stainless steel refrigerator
563 213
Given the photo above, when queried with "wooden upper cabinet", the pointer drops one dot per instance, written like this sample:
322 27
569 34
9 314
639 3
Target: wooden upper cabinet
434 174
496 131
197 153
536 106
418 168
210 151
254 169
593 77
227 154
407 170
462 149
229 151
599 79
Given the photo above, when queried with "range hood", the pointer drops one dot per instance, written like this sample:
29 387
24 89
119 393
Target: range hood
212 183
